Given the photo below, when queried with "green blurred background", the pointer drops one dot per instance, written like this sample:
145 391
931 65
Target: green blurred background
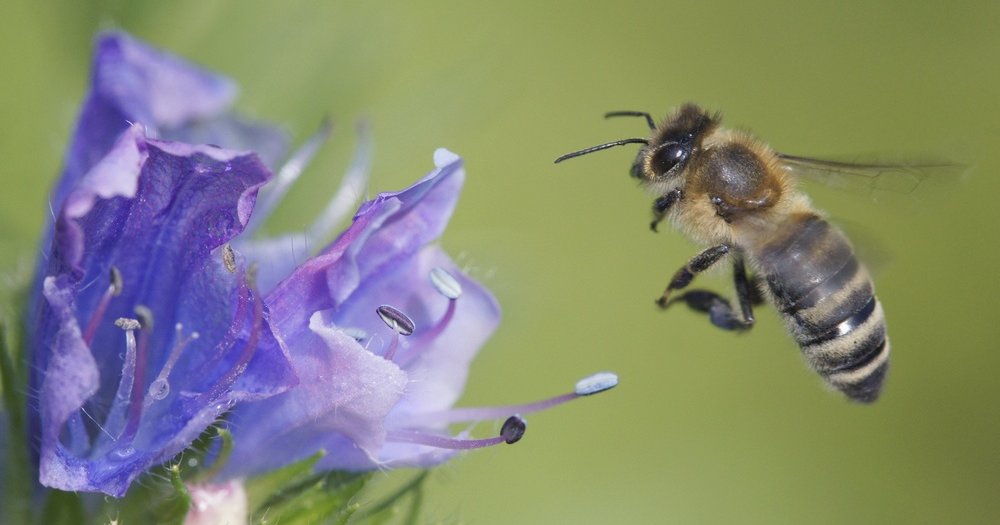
706 426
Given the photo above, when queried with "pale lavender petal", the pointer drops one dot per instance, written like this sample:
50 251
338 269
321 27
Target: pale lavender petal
344 395
382 258
403 222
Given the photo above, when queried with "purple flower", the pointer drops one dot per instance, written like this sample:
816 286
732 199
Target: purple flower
382 327
157 312
147 331
144 330
360 380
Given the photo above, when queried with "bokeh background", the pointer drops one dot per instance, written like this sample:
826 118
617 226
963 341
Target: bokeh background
706 426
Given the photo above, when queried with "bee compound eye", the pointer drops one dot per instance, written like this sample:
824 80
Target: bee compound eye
669 156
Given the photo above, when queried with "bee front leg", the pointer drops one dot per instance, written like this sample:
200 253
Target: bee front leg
720 311
696 265
662 205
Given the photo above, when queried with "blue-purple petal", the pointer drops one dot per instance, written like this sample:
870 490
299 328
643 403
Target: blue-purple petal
135 83
158 212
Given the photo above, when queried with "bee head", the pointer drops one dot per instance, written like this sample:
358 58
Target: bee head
673 144
671 147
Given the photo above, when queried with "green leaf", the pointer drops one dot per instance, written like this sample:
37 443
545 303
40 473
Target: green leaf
317 498
395 504
161 499
262 487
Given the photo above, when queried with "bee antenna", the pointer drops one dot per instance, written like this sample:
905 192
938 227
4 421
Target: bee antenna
599 147
649 118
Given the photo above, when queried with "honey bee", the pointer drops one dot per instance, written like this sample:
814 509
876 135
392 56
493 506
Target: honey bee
734 194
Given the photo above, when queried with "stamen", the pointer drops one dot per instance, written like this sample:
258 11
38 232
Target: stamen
129 325
272 194
511 432
596 383
121 403
160 387
445 283
587 386
352 186
513 429
249 348
117 284
399 323
449 287
115 288
229 258
135 405
145 316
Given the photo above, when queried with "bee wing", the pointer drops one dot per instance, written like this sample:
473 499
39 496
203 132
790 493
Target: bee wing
904 177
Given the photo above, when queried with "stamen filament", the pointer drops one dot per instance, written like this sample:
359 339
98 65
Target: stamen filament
424 340
352 186
458 415
249 349
587 386
122 397
160 387
114 290
511 432
286 176
141 354
431 440
449 287
391 352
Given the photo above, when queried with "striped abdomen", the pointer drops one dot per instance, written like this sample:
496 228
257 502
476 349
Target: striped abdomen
829 305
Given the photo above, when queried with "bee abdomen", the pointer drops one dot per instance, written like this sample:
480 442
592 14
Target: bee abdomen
853 355
829 305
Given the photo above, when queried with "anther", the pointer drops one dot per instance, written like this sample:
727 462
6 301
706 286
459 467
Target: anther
145 316
445 284
596 383
117 284
398 321
127 324
229 258
450 288
513 429
160 387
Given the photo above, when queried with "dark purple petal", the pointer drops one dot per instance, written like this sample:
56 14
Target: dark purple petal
160 213
134 83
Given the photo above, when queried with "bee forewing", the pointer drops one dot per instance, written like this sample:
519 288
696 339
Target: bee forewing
907 178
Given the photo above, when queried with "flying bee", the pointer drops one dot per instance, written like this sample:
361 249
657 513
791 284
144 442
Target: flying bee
732 193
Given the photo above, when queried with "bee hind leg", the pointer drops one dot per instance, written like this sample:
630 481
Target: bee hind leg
720 311
696 265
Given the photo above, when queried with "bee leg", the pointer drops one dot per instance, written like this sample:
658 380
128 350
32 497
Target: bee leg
746 294
720 311
662 205
696 265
